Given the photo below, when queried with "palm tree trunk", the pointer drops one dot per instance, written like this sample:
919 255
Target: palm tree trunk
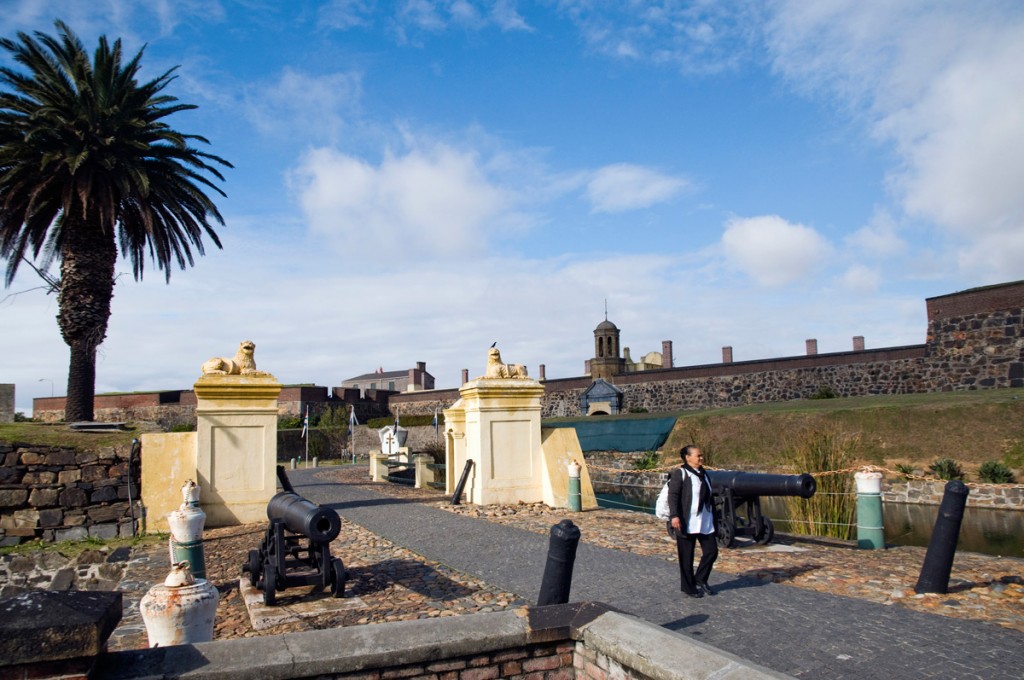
87 287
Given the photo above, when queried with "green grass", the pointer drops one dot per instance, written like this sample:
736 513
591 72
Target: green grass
58 434
912 429
75 548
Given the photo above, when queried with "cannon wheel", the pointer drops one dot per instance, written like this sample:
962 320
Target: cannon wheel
270 586
337 578
253 567
768 533
726 534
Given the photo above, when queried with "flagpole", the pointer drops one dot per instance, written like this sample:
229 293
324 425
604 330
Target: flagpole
305 430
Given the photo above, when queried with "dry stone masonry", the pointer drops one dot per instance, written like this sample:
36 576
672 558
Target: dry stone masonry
63 494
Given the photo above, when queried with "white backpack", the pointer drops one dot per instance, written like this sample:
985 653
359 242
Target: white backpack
661 510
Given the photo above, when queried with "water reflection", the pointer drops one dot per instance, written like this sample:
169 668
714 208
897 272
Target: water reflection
993 532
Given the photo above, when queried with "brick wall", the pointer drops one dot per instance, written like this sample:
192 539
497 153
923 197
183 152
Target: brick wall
63 494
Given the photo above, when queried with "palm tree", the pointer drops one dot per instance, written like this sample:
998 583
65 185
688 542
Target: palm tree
88 164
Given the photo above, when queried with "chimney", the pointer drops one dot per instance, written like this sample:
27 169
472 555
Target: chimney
586 367
421 365
666 354
465 376
727 355
543 375
812 347
858 343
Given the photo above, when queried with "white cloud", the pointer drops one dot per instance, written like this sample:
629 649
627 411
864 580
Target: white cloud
345 14
861 279
703 36
772 251
302 105
879 238
940 83
621 187
434 201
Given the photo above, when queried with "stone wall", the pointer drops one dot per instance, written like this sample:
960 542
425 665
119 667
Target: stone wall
63 494
6 403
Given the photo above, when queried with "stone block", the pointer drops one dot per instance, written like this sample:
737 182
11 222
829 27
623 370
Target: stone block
26 518
51 517
32 458
92 473
39 477
66 477
107 513
62 580
74 518
72 534
44 498
85 458
104 531
9 475
12 498
60 457
42 626
103 495
73 498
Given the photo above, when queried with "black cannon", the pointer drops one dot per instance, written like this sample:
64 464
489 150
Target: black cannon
296 548
733 490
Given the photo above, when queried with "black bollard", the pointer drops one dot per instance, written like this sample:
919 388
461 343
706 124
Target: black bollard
938 561
554 588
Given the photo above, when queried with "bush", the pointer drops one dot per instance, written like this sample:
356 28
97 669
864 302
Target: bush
406 421
995 472
905 469
289 422
647 461
947 468
435 450
182 427
20 417
824 392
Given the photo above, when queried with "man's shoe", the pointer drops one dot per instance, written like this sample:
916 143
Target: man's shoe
706 588
697 593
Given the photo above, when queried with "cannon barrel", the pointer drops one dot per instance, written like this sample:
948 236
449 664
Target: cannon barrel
757 484
301 516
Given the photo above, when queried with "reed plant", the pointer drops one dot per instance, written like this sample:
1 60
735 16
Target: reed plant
830 512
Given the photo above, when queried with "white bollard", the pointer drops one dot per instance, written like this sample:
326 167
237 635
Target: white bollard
181 610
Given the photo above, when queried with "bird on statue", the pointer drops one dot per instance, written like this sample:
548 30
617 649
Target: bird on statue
494 344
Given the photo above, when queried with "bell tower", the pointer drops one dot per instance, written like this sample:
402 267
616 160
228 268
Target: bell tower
606 362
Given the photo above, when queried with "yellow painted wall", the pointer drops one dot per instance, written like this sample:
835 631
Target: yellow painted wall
168 461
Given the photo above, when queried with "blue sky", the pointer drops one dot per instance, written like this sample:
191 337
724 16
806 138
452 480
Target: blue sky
417 179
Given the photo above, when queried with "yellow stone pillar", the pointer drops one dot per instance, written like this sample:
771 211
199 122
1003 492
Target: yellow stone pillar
503 439
237 446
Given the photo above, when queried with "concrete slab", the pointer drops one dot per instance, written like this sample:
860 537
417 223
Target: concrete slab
291 608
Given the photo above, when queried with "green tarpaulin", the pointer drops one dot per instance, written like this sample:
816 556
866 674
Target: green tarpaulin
634 434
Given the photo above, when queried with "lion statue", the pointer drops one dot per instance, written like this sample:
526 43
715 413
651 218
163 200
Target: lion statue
496 369
242 364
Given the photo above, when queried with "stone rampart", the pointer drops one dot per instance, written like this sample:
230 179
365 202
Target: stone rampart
63 494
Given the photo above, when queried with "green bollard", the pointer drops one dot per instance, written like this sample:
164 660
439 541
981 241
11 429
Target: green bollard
575 495
193 553
870 529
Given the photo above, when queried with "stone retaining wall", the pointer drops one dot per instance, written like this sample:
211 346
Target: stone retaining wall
63 494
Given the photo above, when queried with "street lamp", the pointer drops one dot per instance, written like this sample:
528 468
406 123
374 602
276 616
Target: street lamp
49 381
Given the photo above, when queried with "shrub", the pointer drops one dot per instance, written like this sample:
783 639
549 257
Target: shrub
436 450
406 421
905 469
946 468
648 460
20 417
182 427
289 422
995 472
830 511
824 392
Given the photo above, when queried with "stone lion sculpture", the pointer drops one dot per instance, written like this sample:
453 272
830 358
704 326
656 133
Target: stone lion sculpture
496 369
242 364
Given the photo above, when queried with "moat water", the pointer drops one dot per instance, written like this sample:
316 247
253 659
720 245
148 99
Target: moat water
984 530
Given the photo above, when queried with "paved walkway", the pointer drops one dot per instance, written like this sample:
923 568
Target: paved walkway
793 630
